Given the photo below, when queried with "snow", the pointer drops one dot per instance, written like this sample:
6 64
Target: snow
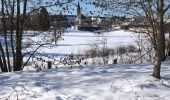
107 82
101 82
74 41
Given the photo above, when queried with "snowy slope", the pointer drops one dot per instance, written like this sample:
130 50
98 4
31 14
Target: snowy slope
109 82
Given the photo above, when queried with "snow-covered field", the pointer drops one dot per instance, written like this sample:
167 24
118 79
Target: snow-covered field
75 41
109 82
78 42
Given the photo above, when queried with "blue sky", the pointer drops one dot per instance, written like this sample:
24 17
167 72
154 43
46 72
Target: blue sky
73 8
86 9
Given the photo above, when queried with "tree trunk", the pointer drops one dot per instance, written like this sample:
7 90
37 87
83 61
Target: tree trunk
169 45
157 65
5 36
1 64
161 28
19 33
11 33
5 69
160 43
18 57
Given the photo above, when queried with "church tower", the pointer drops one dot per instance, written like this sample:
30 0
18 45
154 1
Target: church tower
78 19
78 9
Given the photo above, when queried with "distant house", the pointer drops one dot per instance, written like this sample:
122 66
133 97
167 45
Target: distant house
118 20
139 21
59 21
96 20
135 22
71 19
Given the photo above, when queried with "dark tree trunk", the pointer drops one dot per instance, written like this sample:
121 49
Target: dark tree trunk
18 57
11 33
5 35
169 45
1 64
19 33
160 41
5 69
161 28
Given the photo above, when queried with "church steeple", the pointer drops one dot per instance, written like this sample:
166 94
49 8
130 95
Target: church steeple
78 9
78 19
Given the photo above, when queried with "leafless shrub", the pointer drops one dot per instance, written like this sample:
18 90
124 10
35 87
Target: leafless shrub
131 48
121 50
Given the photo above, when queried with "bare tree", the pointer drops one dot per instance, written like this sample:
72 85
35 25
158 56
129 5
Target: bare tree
155 13
14 13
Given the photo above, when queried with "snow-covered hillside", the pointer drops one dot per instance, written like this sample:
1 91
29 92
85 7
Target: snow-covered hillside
109 82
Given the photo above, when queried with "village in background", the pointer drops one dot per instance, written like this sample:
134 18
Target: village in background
81 22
